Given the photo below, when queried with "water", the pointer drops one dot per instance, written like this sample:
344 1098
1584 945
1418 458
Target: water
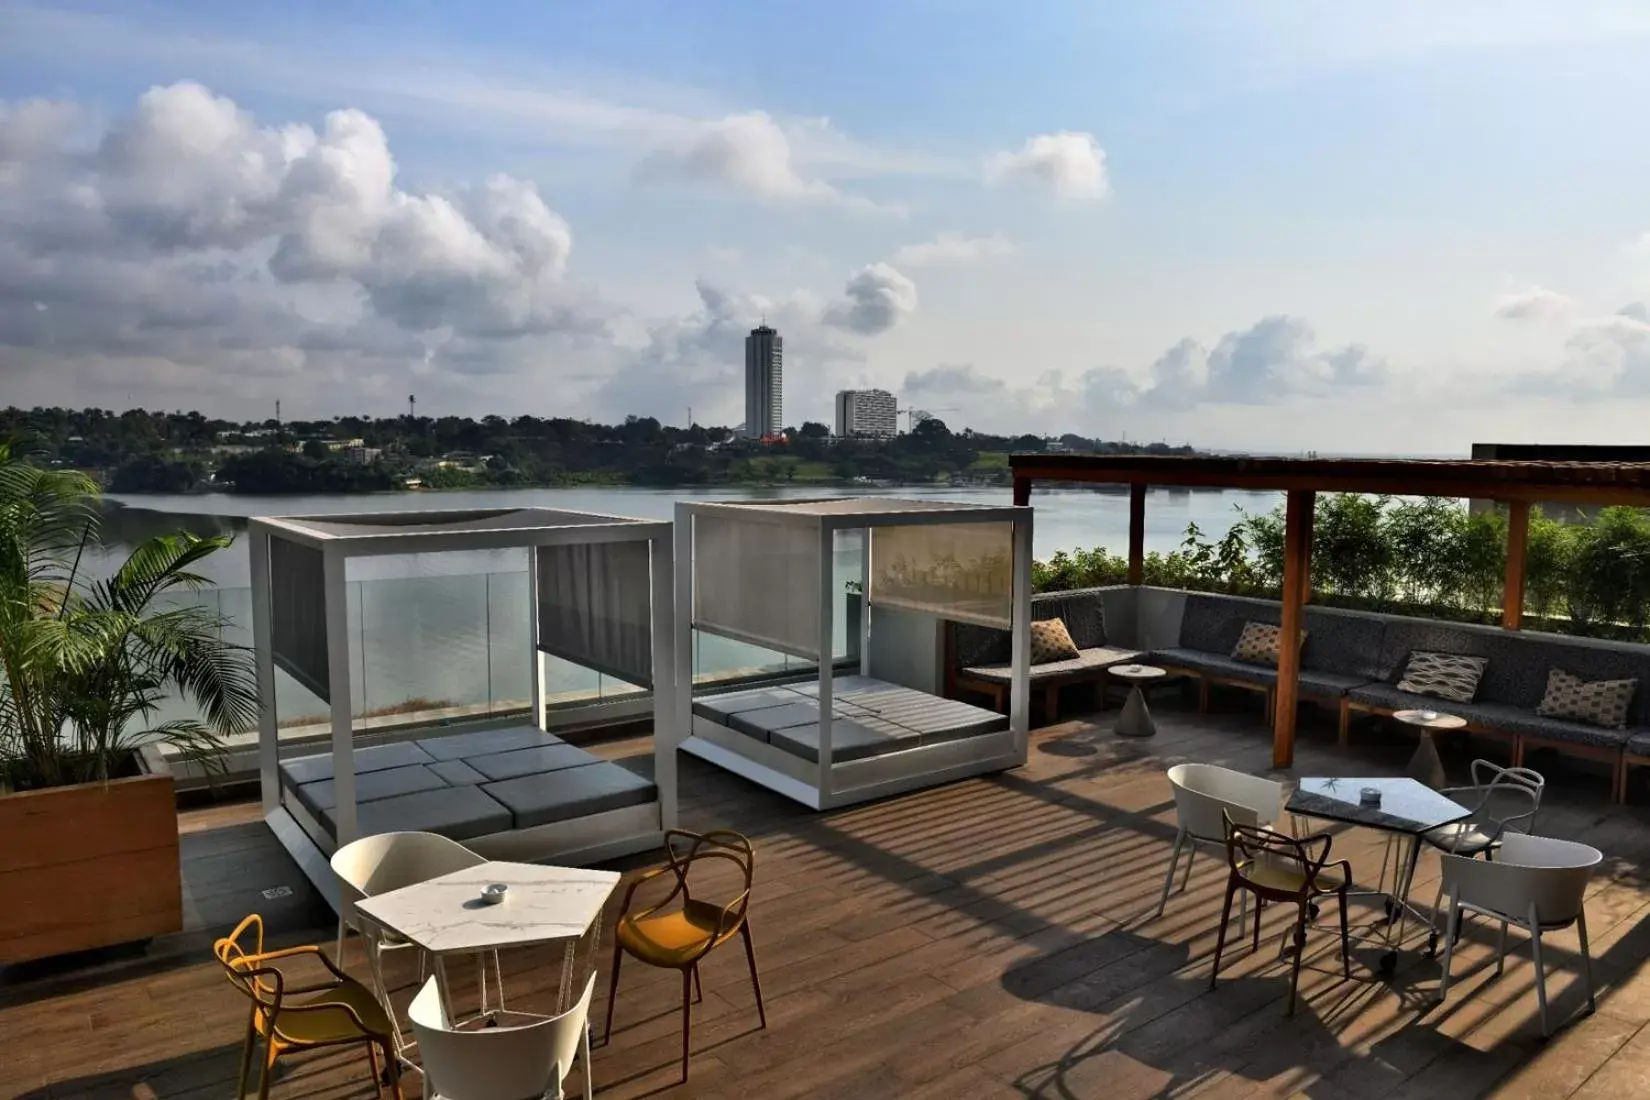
452 629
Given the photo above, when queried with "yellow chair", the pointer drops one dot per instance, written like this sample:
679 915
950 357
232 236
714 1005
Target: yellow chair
340 1012
679 938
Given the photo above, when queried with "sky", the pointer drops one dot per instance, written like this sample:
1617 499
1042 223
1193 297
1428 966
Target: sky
1394 227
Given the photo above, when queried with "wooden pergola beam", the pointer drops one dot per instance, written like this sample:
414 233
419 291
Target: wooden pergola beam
1022 491
1137 533
1512 589
1297 565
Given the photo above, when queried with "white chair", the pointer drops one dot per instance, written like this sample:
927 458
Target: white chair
388 861
1205 795
510 1061
1502 800
1536 883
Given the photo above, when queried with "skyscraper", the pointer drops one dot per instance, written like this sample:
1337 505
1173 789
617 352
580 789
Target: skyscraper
764 383
866 413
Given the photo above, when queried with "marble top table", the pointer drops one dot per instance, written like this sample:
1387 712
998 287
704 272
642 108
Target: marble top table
1407 806
447 915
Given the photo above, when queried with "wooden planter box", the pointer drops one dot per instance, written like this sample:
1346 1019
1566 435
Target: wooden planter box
87 866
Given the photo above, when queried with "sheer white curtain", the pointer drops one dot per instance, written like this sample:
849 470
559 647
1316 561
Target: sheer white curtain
595 607
758 582
959 571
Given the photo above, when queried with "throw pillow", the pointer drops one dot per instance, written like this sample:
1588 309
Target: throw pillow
1449 676
1596 702
1258 644
1051 641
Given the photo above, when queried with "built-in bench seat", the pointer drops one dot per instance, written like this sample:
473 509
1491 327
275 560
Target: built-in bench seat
980 658
468 785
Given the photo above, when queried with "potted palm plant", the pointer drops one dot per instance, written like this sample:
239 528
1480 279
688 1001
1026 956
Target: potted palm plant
87 805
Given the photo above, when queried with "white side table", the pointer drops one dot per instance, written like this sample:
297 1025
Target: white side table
1426 766
1135 720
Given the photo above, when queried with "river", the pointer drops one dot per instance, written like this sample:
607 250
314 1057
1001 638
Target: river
449 629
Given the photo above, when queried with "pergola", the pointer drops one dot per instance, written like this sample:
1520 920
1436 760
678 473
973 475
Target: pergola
763 573
600 590
1516 483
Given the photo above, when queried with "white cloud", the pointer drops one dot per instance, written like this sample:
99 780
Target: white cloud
1070 164
1535 304
951 248
877 298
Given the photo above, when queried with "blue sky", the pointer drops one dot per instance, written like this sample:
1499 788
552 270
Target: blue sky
1272 226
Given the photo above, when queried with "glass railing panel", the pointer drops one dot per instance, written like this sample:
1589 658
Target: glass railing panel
509 643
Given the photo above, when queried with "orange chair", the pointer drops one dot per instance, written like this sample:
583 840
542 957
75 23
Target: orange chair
679 938
341 1011
1279 868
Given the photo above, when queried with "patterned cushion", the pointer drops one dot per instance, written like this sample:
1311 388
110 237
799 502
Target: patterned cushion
1443 675
1051 641
1258 644
1597 702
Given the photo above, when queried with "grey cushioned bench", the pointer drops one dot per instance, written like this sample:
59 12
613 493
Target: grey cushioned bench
981 655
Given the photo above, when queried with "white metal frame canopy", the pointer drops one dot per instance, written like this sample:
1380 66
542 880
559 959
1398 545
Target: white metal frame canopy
600 593
762 572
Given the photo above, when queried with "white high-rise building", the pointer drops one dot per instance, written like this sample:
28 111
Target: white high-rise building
867 413
764 383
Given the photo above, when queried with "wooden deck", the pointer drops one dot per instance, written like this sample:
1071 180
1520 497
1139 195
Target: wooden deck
990 938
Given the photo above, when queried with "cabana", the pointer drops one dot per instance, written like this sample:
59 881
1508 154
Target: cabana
763 573
600 596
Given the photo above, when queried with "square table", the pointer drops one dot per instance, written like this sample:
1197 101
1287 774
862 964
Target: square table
1408 809
447 915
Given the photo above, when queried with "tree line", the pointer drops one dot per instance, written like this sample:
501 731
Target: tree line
143 451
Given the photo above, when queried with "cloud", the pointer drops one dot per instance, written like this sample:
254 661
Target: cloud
950 248
1535 304
1070 164
877 298
750 154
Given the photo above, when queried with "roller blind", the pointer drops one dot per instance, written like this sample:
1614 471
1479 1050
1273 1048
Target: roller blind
298 619
595 607
959 571
758 582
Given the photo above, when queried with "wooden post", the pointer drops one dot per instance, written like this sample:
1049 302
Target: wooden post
1512 591
1022 491
1137 533
1297 564
1310 519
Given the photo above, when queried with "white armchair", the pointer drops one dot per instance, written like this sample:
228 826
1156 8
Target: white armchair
525 1055
1537 883
1205 795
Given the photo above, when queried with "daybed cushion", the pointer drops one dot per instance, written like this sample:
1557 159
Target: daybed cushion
719 708
539 758
1050 642
1638 743
462 746
571 793
396 754
850 740
842 687
1496 716
456 772
1087 660
458 813
935 719
760 723
321 795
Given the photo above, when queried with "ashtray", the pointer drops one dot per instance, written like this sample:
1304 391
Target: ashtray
1369 796
1427 715
494 893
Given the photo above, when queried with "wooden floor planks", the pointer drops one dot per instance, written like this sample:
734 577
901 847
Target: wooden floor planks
993 938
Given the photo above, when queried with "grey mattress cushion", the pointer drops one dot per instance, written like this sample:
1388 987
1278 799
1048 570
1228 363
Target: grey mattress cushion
571 793
850 740
1088 660
1638 742
456 772
397 754
458 813
935 718
842 687
539 758
1495 716
760 723
321 795
462 746
719 708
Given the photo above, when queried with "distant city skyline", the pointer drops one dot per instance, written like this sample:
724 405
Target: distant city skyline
1279 226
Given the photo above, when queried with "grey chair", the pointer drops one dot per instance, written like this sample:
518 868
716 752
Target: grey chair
1501 800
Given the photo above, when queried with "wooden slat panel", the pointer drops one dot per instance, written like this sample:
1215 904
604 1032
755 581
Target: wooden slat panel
123 815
